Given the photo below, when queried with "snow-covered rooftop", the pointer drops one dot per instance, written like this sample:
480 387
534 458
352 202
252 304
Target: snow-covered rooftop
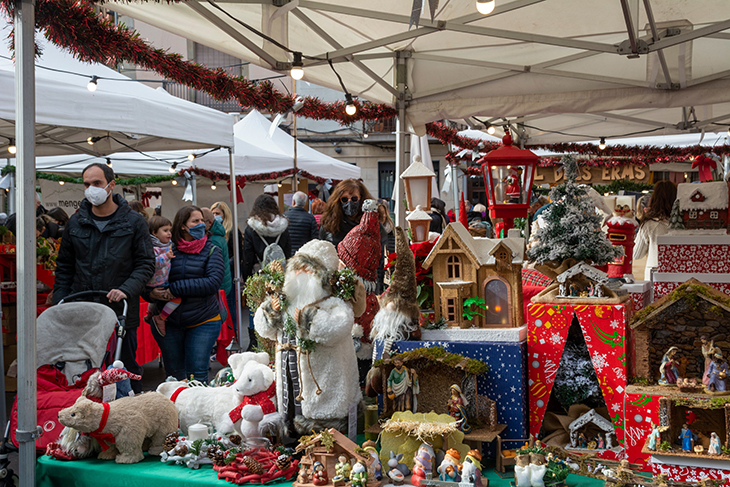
715 193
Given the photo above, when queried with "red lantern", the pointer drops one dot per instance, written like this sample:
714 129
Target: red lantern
508 174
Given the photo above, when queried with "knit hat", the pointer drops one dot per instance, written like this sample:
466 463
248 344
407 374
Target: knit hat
403 289
360 249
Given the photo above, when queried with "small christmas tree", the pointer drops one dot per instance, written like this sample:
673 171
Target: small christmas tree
573 228
675 219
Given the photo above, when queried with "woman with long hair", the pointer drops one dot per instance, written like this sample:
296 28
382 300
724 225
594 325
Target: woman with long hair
655 222
318 207
223 214
343 211
265 226
196 273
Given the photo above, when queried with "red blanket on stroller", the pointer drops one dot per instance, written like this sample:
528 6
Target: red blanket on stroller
54 394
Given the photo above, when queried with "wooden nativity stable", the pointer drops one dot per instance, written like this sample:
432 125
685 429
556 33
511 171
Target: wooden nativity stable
326 447
679 319
490 269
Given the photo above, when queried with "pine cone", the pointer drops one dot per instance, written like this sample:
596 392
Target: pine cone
180 450
219 459
210 452
275 303
170 442
253 465
275 266
283 462
235 439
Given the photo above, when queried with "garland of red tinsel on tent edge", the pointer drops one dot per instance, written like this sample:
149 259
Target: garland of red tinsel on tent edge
77 27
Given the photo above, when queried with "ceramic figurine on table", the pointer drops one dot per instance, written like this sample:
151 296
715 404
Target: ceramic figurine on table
449 468
402 386
668 368
708 348
376 467
687 437
343 467
717 374
600 442
422 463
582 441
359 475
538 467
395 463
457 408
654 437
302 477
471 471
715 448
319 474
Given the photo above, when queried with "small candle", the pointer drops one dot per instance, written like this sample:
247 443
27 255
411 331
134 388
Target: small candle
197 432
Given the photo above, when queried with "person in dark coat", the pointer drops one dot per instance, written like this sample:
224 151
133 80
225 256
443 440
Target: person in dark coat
439 219
265 226
196 274
302 226
107 247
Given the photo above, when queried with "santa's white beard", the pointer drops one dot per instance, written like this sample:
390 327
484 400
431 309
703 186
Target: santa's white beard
302 289
391 324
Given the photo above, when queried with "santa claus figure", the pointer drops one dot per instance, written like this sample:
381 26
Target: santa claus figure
315 360
360 250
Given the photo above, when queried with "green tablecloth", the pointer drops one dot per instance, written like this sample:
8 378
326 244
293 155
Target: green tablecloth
153 473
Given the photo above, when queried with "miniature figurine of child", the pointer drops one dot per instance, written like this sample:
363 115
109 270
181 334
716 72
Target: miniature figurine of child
376 466
359 475
319 474
654 437
422 463
668 368
343 467
708 348
457 408
302 477
687 437
714 448
717 373
449 468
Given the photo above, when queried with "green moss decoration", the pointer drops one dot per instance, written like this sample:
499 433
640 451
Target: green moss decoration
438 354
702 403
689 293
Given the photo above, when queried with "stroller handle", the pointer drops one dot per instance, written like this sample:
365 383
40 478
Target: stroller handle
87 294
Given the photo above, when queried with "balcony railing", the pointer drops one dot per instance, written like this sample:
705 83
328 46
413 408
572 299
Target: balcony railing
200 97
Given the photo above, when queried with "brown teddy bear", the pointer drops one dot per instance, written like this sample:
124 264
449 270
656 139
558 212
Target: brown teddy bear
123 426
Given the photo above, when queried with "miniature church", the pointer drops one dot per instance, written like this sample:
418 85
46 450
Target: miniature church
465 267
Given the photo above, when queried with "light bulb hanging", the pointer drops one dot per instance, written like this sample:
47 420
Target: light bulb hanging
491 129
92 86
62 182
191 157
485 7
350 107
108 162
602 144
11 147
213 186
173 168
174 182
297 67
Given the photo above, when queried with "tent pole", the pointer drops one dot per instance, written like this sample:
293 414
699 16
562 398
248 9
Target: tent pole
243 339
294 182
28 429
11 193
194 182
401 149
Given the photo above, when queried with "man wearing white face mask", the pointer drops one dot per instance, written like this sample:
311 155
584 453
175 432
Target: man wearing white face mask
106 246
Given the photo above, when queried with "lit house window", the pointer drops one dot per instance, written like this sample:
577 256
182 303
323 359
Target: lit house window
453 267
714 215
693 214
496 297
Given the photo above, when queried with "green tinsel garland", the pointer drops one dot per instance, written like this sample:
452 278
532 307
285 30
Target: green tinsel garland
68 179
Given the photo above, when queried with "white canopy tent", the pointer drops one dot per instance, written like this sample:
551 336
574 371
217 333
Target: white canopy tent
124 115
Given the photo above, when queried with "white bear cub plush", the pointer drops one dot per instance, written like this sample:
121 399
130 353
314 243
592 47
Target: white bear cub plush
256 386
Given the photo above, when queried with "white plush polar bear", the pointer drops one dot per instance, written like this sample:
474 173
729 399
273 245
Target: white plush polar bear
256 386
210 404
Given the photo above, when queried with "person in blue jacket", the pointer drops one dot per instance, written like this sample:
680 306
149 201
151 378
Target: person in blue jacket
196 274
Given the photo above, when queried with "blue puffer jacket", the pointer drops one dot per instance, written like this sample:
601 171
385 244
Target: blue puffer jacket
196 279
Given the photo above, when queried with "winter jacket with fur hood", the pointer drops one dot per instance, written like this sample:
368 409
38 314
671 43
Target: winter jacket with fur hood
119 257
253 246
196 279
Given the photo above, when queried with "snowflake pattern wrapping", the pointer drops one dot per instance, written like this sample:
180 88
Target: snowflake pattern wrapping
661 289
640 411
694 258
604 330
682 473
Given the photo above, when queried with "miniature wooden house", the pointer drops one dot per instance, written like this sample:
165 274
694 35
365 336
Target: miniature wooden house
704 206
490 269
679 319
326 447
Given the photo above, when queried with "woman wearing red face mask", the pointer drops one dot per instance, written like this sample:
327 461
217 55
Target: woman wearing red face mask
196 273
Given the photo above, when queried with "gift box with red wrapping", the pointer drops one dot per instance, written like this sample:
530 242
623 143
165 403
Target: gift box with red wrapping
640 292
681 257
640 410
690 469
604 331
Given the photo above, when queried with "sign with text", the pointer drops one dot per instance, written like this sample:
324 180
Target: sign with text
594 174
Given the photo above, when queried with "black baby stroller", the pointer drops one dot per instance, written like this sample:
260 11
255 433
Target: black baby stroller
74 338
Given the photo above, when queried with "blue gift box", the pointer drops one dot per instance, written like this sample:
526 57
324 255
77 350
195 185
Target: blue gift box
505 382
